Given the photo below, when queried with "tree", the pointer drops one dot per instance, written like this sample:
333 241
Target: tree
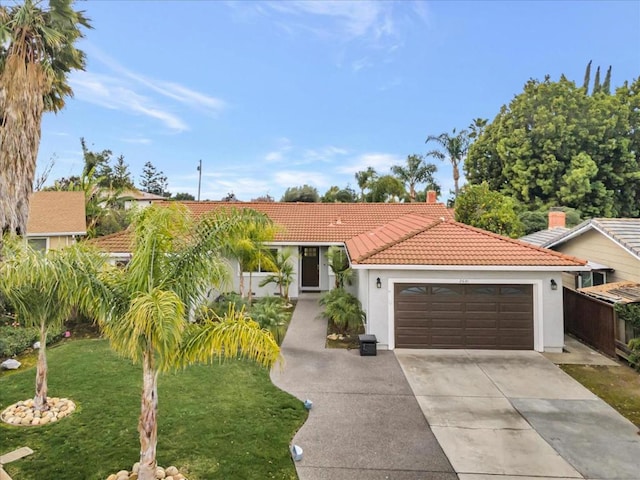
453 148
386 188
42 288
305 193
336 194
116 177
121 178
587 78
37 52
263 198
481 207
339 264
183 196
415 172
553 145
283 275
144 307
365 178
229 197
534 221
153 181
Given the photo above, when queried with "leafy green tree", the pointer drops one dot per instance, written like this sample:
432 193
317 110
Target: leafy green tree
336 194
386 188
37 53
339 264
596 82
183 196
481 207
143 308
477 127
343 309
365 179
587 78
414 172
534 221
113 177
554 145
42 288
121 176
153 181
229 197
305 193
452 148
264 199
606 85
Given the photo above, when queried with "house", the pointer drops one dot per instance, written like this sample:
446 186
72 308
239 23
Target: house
56 219
134 198
424 280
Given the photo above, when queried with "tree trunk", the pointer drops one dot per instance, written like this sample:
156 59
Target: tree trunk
40 400
250 294
241 283
21 106
148 423
456 177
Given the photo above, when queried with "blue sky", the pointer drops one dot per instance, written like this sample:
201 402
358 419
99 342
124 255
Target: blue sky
277 94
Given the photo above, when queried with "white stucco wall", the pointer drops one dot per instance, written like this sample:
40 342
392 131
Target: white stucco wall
547 303
257 277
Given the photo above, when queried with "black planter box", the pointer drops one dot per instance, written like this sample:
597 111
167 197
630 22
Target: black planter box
367 345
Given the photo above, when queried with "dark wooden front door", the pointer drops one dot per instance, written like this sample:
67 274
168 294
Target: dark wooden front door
310 267
464 316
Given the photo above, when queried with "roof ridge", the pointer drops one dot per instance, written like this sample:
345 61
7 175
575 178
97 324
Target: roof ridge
521 243
401 239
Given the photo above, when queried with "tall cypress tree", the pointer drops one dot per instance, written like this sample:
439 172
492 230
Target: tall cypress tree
596 82
587 78
606 85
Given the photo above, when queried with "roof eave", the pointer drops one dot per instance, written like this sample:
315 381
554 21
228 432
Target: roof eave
488 268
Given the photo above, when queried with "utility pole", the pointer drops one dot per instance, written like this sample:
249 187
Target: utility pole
199 178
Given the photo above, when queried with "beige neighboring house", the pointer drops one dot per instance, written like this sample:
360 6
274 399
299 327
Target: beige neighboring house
611 245
134 198
56 219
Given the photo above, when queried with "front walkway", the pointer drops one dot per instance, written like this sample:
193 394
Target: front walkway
365 422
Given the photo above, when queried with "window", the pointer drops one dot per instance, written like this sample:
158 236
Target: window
414 290
590 279
272 252
39 244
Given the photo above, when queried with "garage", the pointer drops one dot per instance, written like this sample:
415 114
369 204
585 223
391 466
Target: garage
482 316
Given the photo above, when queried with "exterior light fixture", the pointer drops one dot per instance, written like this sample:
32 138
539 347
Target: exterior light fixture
378 283
554 285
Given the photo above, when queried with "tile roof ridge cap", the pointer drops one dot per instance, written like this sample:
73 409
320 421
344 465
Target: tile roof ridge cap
520 243
432 223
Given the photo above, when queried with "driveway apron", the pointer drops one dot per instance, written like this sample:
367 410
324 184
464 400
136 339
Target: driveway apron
506 415
365 422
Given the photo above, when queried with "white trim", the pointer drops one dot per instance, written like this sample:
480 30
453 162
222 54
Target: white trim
54 234
480 268
538 304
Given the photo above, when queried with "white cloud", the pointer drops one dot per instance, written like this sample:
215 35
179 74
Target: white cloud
110 92
379 161
294 178
139 140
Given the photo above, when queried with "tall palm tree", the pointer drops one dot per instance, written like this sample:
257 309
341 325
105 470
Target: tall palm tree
37 52
144 307
43 289
452 147
364 179
416 171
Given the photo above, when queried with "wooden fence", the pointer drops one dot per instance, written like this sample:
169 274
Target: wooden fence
591 320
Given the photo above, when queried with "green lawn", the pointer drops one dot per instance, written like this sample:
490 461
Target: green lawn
222 421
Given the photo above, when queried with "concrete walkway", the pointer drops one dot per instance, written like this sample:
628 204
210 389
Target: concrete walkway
506 415
365 422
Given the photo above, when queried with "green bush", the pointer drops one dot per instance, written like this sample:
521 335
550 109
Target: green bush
634 356
343 309
271 314
15 339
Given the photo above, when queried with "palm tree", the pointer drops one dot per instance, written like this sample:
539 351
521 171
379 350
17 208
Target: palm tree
37 52
283 275
364 179
143 308
415 172
455 148
250 250
43 289
339 264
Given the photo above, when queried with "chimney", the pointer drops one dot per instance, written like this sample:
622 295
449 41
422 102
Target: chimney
556 219
431 196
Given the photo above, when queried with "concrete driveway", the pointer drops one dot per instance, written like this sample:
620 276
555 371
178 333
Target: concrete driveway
506 415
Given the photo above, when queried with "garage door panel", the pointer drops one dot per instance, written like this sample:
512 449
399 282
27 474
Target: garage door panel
464 316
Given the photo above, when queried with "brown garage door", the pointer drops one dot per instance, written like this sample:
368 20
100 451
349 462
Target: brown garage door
464 316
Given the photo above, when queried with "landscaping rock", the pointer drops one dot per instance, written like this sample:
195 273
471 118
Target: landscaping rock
36 345
161 473
10 364
23 413
171 471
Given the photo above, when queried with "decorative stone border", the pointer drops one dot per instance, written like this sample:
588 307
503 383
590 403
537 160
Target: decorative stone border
23 414
170 473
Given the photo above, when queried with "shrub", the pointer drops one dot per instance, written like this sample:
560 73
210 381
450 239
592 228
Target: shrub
270 313
343 309
15 339
634 356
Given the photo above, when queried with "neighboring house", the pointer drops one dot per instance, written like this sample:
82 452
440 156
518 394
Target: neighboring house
424 280
611 245
56 219
135 198
557 226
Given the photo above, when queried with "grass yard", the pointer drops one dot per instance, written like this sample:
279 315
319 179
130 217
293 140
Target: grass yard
221 421
618 386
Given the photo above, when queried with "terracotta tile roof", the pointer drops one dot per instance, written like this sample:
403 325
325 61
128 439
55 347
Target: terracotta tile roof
310 222
119 242
417 240
326 222
60 213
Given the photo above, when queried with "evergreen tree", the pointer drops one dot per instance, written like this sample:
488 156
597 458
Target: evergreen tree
153 181
587 78
606 85
121 177
596 82
305 193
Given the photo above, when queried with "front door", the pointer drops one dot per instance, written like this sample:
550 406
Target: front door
310 267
